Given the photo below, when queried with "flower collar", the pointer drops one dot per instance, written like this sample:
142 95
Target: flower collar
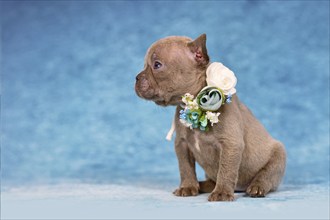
202 111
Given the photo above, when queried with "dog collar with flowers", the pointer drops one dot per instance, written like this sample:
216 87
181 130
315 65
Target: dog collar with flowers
202 111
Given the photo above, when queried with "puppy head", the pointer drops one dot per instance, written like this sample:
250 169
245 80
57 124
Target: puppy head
173 66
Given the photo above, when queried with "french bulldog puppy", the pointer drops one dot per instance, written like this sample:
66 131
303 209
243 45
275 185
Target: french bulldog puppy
237 154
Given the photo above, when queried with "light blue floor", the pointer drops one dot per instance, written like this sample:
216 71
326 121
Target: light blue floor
69 112
146 202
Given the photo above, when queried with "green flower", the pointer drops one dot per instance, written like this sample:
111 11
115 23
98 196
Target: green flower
203 121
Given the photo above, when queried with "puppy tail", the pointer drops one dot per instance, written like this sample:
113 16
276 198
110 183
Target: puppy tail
206 186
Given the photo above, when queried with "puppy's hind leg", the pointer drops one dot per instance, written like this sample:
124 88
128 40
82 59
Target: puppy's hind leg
270 176
206 186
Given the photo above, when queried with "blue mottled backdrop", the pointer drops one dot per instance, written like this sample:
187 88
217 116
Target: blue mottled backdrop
70 113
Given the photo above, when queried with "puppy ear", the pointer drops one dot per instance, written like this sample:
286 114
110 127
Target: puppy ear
198 48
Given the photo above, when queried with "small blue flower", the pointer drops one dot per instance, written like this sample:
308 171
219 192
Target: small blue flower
183 114
229 97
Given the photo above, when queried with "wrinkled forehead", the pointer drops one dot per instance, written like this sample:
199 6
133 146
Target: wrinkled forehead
168 47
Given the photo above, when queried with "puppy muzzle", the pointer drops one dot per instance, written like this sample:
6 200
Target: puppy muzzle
143 88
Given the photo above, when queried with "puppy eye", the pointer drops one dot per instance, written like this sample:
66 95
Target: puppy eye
157 65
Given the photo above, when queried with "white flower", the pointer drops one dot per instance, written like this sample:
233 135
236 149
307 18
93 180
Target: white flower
186 124
213 117
193 105
220 76
187 98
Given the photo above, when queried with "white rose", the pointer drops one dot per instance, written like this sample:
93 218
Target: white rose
220 76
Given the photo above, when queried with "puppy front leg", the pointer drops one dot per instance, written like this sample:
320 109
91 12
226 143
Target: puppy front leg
189 185
230 159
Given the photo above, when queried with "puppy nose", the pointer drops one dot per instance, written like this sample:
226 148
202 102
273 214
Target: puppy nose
139 76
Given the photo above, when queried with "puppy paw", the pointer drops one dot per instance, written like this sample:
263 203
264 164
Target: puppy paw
256 191
186 191
221 196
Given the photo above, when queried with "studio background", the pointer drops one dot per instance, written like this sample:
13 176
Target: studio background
69 112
